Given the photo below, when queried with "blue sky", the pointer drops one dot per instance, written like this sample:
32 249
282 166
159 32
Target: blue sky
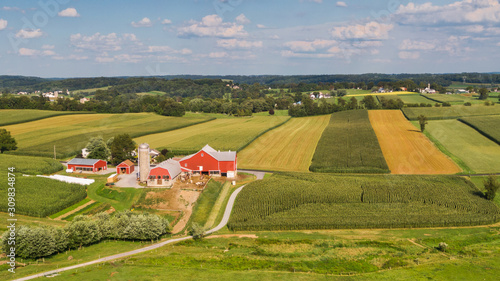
87 38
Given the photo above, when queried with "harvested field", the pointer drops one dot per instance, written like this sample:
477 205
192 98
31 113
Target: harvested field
406 149
289 147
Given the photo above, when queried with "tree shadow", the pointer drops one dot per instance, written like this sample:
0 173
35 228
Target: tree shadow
418 131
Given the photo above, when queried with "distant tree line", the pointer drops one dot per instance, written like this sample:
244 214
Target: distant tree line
42 241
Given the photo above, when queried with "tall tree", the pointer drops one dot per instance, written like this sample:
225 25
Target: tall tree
369 102
491 185
121 148
483 93
422 120
98 149
7 142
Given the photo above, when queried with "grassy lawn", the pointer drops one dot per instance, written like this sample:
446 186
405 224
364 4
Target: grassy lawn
478 152
119 198
206 202
69 134
289 147
222 134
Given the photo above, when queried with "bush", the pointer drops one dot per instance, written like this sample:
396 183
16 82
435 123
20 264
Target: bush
446 104
467 104
437 104
442 247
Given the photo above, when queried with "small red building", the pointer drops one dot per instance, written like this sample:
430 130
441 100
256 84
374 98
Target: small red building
211 162
125 167
87 165
164 174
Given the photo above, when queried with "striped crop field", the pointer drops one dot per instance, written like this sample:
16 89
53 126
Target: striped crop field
349 145
69 134
16 116
289 147
452 112
478 152
489 126
290 201
222 134
406 149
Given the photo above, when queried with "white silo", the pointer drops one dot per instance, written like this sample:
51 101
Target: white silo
144 161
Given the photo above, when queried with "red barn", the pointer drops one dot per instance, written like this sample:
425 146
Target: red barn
164 174
212 162
87 165
125 167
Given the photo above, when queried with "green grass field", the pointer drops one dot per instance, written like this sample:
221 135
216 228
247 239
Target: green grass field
452 112
222 134
313 255
152 93
69 134
349 144
16 116
88 91
292 201
478 152
486 125
289 147
408 98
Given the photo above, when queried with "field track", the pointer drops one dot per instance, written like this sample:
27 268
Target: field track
406 149
289 147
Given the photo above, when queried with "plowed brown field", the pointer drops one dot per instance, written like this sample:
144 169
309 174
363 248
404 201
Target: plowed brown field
406 149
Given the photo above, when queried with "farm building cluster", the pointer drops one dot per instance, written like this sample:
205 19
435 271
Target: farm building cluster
207 161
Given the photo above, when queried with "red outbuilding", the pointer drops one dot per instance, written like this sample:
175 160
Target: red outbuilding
125 167
211 162
164 174
87 165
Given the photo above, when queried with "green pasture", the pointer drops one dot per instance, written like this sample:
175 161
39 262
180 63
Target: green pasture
452 112
16 116
69 134
478 152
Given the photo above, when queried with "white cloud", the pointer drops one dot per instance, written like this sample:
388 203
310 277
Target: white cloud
104 59
409 55
341 4
316 1
145 22
369 31
166 21
218 55
69 12
465 11
104 43
290 54
48 53
5 8
27 34
242 19
48 47
261 26
310 46
408 44
168 49
238 44
28 52
70 57
3 24
212 26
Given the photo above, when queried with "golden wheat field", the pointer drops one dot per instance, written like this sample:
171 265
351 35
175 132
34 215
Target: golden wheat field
406 149
289 147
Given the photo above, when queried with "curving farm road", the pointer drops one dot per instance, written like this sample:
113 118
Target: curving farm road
225 219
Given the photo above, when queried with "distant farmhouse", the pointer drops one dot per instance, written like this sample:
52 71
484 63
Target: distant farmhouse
428 90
